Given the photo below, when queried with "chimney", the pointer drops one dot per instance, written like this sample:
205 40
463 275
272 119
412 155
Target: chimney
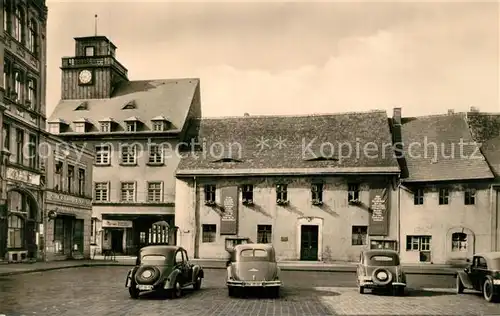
451 111
396 116
474 109
246 114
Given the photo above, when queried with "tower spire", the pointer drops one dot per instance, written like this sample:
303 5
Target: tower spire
95 24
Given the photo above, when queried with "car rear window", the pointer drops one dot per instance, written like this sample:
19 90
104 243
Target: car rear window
253 254
381 260
154 259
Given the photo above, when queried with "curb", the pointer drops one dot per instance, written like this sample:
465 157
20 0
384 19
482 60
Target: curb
296 269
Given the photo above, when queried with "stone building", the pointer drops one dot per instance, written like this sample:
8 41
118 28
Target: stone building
68 199
319 187
449 206
136 129
22 94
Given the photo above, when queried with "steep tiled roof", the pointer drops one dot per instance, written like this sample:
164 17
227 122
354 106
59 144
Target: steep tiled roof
451 161
277 144
170 98
485 128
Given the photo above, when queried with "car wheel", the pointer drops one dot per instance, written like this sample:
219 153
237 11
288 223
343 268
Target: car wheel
197 283
231 291
274 292
361 289
460 286
398 290
176 291
488 293
133 291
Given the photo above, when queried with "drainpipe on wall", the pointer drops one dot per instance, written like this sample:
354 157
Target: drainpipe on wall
494 210
399 218
196 219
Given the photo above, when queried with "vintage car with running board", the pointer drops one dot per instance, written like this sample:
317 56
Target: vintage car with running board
482 275
380 269
253 266
163 268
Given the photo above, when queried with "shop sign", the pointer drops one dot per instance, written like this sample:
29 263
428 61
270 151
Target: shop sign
229 218
108 223
23 176
58 197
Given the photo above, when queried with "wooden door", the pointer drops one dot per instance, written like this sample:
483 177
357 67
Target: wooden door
309 242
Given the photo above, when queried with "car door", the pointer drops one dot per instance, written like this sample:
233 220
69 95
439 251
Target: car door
475 272
189 266
360 269
482 271
179 265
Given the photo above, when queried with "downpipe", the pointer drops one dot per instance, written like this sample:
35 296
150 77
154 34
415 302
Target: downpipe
494 219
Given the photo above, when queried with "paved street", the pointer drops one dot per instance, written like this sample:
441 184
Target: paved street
101 291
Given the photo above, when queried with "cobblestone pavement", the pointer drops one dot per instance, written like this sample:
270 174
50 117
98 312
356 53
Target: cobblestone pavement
101 291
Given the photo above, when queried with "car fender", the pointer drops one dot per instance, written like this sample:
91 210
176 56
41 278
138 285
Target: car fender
129 280
464 277
229 272
172 277
197 271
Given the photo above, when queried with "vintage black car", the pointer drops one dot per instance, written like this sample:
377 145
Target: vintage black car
253 266
381 269
163 268
482 275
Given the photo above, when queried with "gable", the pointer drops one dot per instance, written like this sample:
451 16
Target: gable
130 105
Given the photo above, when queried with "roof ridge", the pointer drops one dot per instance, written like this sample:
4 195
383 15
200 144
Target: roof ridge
459 114
289 115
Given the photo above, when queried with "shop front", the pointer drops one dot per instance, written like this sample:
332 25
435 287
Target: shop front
67 221
124 234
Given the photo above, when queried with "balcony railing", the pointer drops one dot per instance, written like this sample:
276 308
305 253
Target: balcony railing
68 62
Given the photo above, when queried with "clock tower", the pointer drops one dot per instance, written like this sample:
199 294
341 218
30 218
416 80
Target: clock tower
94 72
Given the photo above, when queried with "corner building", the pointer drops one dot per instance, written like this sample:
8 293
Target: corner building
135 128
290 181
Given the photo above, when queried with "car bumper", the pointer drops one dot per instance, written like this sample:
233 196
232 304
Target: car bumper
148 287
253 284
368 283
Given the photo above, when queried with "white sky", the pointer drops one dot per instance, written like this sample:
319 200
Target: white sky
298 58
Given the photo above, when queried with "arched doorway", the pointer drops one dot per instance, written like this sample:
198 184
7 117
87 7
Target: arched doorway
22 219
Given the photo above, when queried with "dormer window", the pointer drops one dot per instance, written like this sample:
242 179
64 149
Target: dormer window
90 51
160 123
54 128
57 126
131 126
105 126
81 125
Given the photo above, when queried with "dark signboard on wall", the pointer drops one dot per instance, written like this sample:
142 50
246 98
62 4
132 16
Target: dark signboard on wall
229 216
379 212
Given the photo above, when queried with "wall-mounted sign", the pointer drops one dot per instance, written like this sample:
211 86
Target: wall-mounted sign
229 218
108 223
23 176
58 197
379 207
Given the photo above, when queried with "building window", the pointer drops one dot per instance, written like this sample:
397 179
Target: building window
158 126
6 16
20 146
281 193
32 37
247 194
6 136
128 192
89 51
154 192
19 24
101 191
32 151
54 128
418 243
352 192
93 231
59 235
317 193
81 182
209 194
470 196
418 197
102 154
444 196
80 127
15 232
106 127
70 178
128 155
58 174
131 126
209 233
459 242
264 234
359 235
18 85
155 154
6 77
31 93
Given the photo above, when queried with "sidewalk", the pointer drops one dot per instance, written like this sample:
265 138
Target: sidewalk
20 268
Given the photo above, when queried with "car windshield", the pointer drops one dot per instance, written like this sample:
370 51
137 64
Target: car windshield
253 255
383 260
153 259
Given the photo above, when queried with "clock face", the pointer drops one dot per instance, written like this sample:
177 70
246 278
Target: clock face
85 76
